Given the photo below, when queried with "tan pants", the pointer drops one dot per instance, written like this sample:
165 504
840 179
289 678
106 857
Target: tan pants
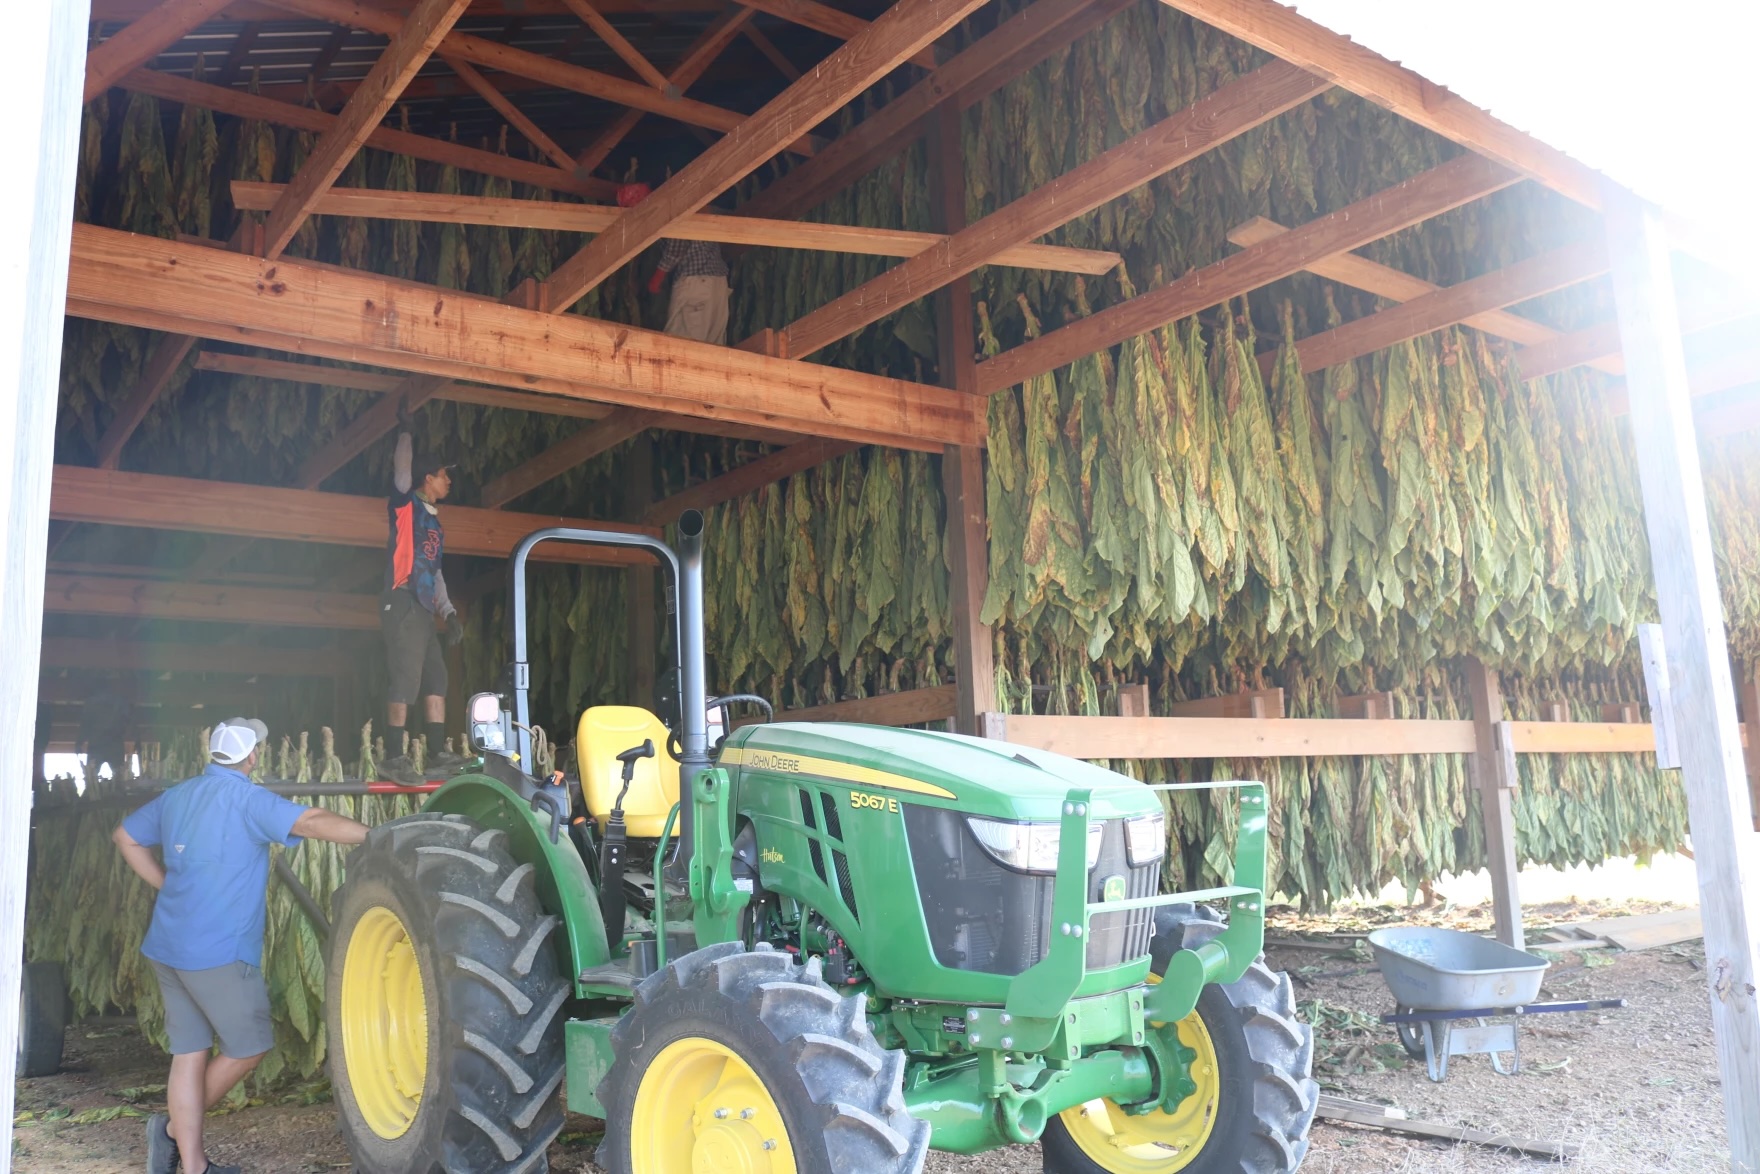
699 309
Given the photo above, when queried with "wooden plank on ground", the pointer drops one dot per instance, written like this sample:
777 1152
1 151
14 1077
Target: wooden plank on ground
1643 931
367 318
1459 181
1356 1113
302 515
1209 122
905 28
411 45
432 207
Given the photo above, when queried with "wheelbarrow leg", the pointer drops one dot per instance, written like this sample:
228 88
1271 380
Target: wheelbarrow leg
1436 1042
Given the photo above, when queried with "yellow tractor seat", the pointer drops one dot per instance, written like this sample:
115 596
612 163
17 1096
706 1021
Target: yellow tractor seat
606 731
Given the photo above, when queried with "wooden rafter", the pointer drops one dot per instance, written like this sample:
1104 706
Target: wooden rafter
1215 119
1599 345
367 318
514 116
1551 271
567 454
906 27
432 207
247 105
628 53
82 652
360 433
494 55
771 53
193 505
161 366
156 30
749 477
409 50
1283 32
239 54
1016 46
691 67
833 22
148 599
1459 181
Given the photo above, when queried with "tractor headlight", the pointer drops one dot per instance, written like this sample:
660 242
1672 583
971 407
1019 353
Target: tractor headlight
1029 847
1145 838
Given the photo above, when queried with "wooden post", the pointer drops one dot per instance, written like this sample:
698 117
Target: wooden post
1708 737
1751 718
1494 776
962 466
642 648
42 91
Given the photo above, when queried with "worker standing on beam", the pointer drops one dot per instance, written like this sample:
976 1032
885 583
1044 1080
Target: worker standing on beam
205 941
699 281
415 600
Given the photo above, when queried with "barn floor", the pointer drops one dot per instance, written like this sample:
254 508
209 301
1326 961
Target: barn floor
1636 1090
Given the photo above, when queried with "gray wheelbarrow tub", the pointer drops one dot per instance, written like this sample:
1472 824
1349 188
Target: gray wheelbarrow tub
1447 970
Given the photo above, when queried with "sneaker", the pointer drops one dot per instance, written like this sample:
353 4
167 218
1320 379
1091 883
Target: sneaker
161 1150
217 1168
444 763
398 770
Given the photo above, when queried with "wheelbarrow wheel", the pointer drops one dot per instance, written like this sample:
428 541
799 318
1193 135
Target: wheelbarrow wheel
1411 1035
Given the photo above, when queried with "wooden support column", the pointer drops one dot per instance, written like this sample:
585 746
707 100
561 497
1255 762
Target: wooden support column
962 466
1708 736
643 649
41 90
1493 766
1751 719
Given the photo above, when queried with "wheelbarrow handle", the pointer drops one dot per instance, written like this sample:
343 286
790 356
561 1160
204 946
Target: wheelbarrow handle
1488 1012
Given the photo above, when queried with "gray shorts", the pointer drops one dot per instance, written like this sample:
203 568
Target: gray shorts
229 1002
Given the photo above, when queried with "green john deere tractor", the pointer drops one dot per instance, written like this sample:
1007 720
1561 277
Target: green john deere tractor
820 948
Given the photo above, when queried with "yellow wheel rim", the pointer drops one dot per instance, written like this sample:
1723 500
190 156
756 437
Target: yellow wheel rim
384 1023
1157 1142
700 1109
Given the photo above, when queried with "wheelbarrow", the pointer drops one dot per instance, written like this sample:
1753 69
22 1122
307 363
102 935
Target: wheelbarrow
1441 978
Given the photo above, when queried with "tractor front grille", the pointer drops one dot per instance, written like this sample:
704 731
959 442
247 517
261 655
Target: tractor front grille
985 917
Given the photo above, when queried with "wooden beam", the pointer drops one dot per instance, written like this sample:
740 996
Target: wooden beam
568 453
506 58
1016 46
1558 269
148 599
771 53
240 53
1284 33
156 30
1387 282
431 207
246 105
833 22
1252 703
906 27
619 44
411 45
1493 773
1720 813
83 652
689 69
1459 181
514 116
161 365
913 707
300 515
367 318
1230 737
1233 110
1599 345
748 478
113 11
372 425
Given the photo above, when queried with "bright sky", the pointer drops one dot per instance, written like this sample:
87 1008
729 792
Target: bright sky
1659 96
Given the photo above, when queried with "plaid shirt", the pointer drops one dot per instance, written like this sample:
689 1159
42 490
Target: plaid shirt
693 259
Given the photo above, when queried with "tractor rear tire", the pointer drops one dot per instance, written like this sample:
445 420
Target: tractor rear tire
1264 1092
42 1019
442 1004
806 1086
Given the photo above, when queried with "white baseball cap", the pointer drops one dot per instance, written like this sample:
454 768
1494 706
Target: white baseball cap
233 739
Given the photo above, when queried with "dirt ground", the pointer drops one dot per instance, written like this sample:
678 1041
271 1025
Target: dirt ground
1636 1090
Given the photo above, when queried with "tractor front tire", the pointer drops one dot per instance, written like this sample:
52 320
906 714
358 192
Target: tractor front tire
1256 1097
444 989
746 1060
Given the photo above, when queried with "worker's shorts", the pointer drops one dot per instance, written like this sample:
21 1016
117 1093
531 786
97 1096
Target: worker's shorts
229 1002
699 309
412 649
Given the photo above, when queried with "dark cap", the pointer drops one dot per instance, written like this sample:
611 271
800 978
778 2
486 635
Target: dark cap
427 465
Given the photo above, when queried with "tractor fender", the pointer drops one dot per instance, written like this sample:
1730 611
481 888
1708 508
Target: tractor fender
562 883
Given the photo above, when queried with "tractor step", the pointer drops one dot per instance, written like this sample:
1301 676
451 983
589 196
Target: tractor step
613 974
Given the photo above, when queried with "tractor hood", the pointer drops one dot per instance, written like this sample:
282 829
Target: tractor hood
974 775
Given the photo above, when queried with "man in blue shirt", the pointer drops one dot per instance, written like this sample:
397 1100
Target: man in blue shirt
205 942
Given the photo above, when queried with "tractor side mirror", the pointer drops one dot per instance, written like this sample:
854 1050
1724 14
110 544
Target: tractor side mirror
489 732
